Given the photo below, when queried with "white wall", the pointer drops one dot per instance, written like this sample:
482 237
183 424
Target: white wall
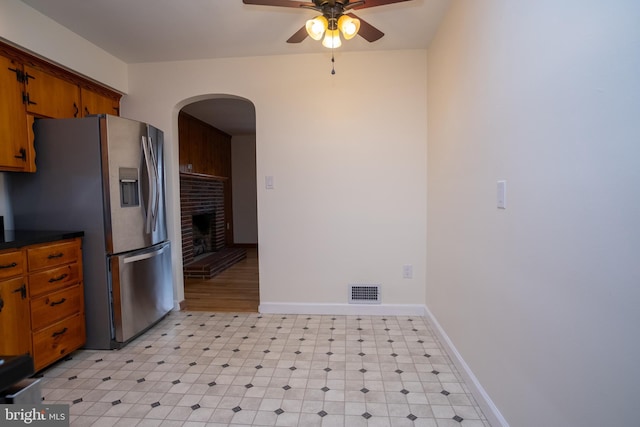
540 299
243 179
348 154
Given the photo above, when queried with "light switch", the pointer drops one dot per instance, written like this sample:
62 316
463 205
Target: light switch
268 182
502 194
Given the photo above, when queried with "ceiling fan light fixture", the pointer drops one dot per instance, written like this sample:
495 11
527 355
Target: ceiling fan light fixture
348 26
332 39
316 27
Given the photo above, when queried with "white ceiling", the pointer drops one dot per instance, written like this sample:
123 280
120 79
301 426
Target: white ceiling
171 30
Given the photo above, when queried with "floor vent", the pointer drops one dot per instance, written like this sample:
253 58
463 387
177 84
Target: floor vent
364 294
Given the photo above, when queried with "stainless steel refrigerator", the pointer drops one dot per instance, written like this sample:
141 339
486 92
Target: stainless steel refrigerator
104 175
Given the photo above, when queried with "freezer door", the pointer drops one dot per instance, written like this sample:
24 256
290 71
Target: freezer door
134 190
142 289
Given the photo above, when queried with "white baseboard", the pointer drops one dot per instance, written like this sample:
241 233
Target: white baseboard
342 309
489 409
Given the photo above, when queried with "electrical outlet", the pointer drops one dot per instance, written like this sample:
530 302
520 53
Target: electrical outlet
407 271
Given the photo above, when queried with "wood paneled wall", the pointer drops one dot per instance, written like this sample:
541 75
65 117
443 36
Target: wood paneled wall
204 147
208 151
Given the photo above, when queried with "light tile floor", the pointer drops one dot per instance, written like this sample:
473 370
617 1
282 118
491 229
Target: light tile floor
221 369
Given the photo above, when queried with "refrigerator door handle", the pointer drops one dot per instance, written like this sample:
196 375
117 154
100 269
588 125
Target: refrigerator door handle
147 160
156 187
146 255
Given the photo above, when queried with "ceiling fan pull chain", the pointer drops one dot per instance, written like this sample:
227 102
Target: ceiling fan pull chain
333 61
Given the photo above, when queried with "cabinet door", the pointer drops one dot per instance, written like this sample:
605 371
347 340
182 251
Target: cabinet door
50 96
15 326
13 119
95 103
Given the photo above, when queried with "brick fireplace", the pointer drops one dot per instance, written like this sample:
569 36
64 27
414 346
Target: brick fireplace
202 203
204 251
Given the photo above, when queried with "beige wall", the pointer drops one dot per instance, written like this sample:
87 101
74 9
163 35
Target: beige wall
540 299
348 154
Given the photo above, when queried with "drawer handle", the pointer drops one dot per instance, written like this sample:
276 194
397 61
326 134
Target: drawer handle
54 303
56 334
13 264
57 279
58 255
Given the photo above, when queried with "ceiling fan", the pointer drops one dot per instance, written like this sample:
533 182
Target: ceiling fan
335 18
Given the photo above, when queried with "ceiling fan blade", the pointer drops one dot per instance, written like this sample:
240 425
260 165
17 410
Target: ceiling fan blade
367 31
280 3
298 36
374 3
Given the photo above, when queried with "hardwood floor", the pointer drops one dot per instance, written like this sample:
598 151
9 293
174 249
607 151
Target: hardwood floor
234 290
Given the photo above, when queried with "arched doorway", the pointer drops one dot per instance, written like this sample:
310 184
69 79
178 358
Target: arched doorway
219 204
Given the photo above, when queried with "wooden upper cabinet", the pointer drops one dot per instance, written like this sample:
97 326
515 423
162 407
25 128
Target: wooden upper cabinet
32 88
14 153
95 103
50 96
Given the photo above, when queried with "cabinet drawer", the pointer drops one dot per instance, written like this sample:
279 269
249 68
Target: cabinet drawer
51 255
59 339
54 279
55 306
11 264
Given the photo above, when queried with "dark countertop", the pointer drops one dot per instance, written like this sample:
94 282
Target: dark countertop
18 238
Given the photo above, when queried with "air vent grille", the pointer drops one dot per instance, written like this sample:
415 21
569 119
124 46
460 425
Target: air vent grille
364 294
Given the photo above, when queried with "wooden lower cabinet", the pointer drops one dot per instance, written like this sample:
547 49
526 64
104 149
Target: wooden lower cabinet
54 278
52 255
56 300
14 317
15 322
57 340
55 306
42 301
